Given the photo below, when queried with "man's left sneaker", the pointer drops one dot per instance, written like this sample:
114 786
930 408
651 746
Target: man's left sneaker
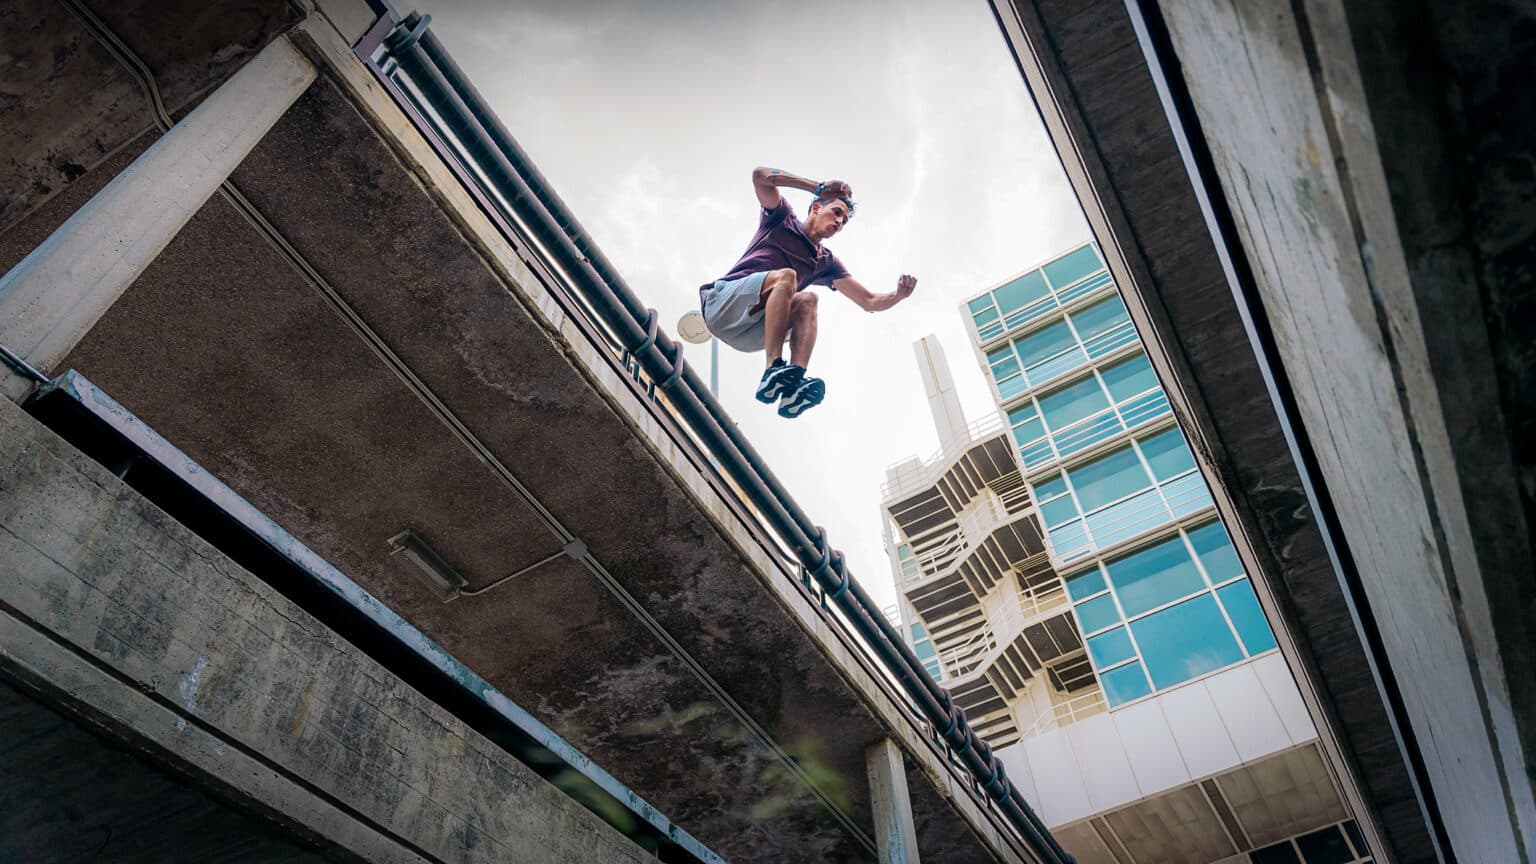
808 395
780 379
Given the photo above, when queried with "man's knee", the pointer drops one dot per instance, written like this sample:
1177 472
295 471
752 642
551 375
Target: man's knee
804 303
781 278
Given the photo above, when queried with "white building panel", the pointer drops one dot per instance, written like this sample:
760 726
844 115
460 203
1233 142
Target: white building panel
1016 763
1101 756
1058 779
1251 719
1150 747
1201 735
1281 687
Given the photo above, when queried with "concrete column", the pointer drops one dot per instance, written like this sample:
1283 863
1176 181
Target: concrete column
895 833
59 291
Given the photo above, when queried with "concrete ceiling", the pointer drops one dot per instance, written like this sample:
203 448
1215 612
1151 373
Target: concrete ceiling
1268 801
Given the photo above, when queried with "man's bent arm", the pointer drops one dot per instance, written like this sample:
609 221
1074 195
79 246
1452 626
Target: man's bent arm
854 290
766 183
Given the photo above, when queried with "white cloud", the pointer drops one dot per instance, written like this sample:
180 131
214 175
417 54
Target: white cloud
648 118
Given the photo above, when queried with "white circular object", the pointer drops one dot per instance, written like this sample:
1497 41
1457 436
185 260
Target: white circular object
692 328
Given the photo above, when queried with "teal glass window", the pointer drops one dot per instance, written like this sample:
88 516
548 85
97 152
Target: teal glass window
1104 315
981 304
1050 487
1153 576
1108 478
924 650
1185 641
919 632
1002 362
1129 377
1086 583
1073 266
1167 453
1124 684
1098 613
1215 552
985 316
1111 647
1021 292
1045 344
1073 403
1029 430
1058 510
1247 616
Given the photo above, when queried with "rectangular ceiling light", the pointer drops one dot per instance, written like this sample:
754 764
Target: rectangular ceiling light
426 564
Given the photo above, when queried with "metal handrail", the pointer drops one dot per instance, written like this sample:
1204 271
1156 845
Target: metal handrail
970 532
1000 628
517 182
1065 713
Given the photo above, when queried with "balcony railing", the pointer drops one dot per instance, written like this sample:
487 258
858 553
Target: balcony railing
1069 711
1077 437
1031 312
1132 516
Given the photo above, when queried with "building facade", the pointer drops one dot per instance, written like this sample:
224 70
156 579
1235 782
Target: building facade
1062 570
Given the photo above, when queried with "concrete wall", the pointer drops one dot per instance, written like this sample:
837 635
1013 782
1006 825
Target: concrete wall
1391 372
111 607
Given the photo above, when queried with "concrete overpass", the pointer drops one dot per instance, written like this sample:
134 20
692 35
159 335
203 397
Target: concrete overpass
291 280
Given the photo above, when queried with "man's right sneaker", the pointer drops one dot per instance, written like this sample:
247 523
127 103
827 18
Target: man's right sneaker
808 394
778 379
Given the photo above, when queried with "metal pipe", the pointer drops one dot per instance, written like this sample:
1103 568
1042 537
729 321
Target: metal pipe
421 56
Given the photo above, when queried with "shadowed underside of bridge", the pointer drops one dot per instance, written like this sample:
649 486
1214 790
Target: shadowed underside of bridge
226 351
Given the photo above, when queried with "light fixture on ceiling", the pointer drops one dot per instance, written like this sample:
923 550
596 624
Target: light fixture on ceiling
426 564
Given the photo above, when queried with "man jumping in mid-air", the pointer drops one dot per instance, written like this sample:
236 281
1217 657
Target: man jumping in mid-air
760 303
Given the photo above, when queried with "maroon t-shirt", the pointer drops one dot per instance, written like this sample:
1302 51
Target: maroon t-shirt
780 242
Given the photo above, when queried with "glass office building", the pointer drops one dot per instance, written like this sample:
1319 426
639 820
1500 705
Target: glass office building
1063 571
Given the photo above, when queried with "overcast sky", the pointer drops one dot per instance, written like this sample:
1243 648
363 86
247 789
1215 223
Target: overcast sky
648 118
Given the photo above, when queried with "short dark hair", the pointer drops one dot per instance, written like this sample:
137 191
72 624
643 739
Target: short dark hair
829 199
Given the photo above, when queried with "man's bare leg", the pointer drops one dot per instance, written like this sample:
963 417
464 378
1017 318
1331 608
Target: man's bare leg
802 328
777 297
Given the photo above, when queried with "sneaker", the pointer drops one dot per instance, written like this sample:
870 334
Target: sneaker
778 380
807 395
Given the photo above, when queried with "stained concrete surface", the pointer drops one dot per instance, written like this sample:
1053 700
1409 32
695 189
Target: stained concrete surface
122 616
69 795
67 105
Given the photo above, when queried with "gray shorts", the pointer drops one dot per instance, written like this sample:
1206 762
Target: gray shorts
725 312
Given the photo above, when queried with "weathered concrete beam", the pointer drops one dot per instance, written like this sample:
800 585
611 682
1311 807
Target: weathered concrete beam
895 831
113 609
64 286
